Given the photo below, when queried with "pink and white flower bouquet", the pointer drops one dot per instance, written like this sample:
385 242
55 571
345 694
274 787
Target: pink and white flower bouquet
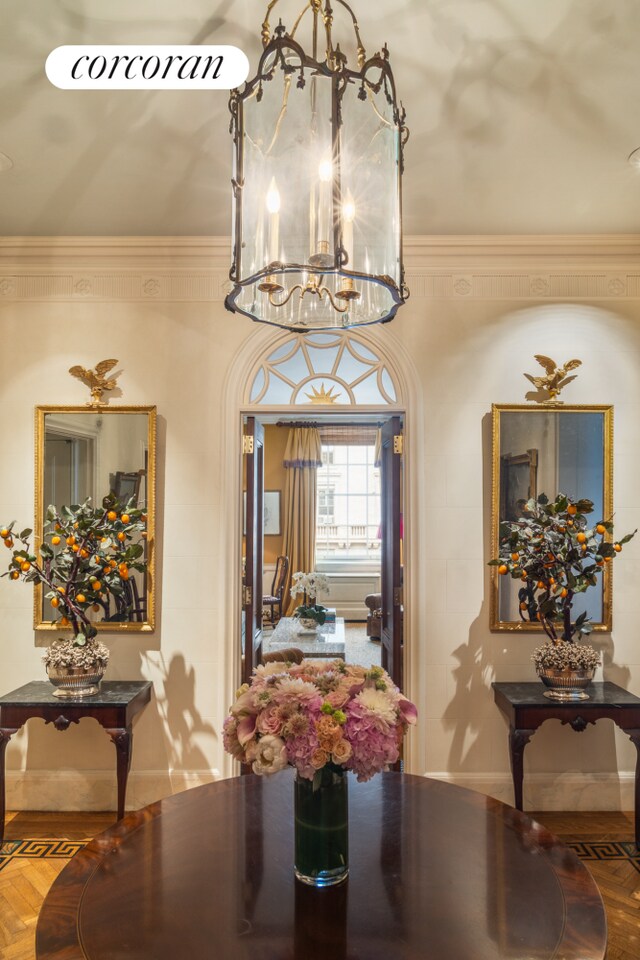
315 713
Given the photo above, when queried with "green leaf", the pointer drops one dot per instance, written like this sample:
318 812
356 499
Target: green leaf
26 533
543 499
585 506
627 537
80 640
46 550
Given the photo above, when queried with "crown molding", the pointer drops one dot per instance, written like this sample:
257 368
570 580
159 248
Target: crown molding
438 267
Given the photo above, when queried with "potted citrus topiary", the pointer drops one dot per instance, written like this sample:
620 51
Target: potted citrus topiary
85 563
556 554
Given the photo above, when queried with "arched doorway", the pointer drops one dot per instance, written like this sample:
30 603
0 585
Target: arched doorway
339 512
365 374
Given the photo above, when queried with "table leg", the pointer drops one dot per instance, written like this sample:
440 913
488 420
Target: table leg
5 735
122 740
634 736
518 739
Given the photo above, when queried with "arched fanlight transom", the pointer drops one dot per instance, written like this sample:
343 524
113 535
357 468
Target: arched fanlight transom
322 369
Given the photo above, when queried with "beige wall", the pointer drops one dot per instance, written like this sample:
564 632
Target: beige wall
464 354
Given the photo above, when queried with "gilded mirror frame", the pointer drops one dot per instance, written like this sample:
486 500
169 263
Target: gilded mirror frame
41 413
497 409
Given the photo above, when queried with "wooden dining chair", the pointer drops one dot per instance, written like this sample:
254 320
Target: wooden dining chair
274 599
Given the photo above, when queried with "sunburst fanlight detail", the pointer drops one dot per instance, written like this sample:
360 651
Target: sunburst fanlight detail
322 395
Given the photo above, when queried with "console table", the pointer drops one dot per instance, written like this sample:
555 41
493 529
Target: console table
526 708
114 707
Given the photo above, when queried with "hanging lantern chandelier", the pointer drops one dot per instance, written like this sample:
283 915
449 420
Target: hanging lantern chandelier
318 150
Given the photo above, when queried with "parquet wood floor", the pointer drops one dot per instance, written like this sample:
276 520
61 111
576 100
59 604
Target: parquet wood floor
617 880
24 883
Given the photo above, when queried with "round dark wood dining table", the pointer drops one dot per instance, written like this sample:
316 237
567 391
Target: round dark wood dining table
436 873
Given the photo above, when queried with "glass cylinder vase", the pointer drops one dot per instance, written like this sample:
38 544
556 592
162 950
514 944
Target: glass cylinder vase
322 827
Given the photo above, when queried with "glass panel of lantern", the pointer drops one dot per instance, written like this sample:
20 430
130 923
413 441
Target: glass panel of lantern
300 196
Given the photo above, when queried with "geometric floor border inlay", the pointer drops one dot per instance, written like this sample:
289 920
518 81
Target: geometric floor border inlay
606 850
65 849
37 849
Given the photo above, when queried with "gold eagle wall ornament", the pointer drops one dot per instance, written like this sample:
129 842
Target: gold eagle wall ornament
96 379
556 378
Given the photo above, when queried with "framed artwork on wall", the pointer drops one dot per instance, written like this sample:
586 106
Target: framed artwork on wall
271 513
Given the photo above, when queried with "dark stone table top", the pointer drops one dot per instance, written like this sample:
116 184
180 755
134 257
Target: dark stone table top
600 694
111 693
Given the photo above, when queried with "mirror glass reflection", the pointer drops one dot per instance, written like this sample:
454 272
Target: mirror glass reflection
542 450
92 453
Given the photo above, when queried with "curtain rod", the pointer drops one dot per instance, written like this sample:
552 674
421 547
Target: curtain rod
325 423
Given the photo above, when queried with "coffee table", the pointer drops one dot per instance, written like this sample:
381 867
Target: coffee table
435 872
327 641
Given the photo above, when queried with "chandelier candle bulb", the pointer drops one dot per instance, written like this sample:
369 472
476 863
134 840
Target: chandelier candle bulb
348 216
324 205
312 220
273 206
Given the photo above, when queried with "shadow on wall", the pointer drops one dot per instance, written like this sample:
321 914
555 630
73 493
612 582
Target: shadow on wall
175 694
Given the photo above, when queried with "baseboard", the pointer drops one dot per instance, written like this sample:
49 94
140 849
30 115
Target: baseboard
352 612
90 790
566 791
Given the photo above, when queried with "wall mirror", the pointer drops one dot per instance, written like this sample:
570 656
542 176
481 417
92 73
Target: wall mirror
90 452
549 449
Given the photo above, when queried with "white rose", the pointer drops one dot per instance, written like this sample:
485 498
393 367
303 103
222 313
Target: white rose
270 755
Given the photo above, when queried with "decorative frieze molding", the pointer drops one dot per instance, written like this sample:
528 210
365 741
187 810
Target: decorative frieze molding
195 269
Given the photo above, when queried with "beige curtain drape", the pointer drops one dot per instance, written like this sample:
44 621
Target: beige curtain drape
377 456
302 457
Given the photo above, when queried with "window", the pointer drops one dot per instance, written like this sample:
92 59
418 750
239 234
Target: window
322 369
348 510
326 505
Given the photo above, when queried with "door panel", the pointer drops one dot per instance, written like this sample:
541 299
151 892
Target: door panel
252 590
391 484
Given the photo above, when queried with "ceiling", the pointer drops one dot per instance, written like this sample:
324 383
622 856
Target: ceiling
522 116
